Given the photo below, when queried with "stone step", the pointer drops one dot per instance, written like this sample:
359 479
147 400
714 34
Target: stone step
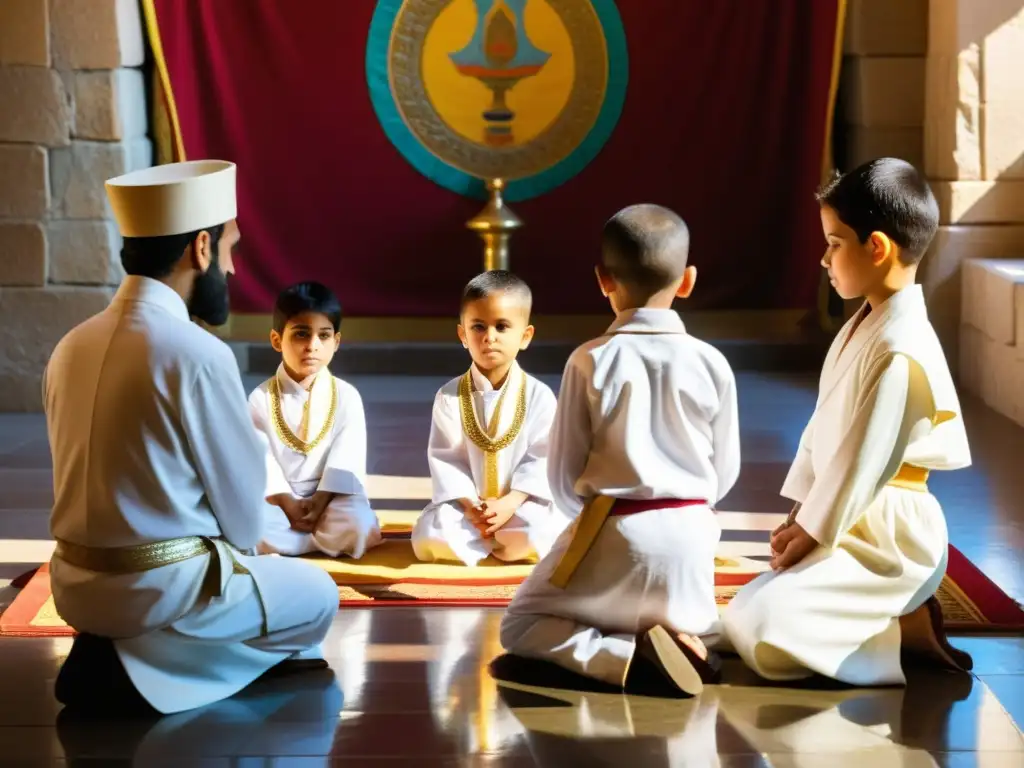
797 354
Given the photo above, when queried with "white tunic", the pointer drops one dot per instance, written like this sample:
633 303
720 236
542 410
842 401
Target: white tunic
337 464
885 400
442 532
645 412
151 441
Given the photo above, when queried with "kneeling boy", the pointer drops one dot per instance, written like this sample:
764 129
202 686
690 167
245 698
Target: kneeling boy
645 442
857 564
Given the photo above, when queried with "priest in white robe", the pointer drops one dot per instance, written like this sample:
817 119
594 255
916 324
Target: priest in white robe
314 432
158 477
484 442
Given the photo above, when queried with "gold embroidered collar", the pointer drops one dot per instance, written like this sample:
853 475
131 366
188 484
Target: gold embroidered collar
487 441
284 432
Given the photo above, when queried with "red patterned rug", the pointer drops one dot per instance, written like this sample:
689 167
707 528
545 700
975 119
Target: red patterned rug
390 576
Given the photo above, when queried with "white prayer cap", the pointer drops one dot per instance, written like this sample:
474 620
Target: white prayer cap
174 199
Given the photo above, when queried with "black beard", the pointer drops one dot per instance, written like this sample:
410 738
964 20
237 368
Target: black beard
210 302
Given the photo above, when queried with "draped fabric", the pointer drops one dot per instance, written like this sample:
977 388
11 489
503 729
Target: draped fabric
724 121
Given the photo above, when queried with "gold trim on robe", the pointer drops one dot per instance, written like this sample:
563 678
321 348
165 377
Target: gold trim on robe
299 443
487 442
910 478
586 527
132 559
140 558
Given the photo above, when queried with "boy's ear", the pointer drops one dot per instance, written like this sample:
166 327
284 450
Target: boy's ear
604 280
527 337
689 280
462 336
882 247
275 341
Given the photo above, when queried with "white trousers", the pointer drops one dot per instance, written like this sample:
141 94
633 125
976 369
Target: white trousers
442 532
349 526
280 609
650 568
837 612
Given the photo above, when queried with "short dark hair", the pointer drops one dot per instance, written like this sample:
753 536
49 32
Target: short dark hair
645 247
496 281
309 296
887 195
155 257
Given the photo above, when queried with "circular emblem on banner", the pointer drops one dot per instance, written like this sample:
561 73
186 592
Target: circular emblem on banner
524 90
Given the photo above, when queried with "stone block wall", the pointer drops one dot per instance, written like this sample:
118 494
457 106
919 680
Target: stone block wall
880 103
974 157
72 114
940 84
882 83
992 334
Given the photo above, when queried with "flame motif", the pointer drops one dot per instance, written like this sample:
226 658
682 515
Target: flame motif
499 56
500 44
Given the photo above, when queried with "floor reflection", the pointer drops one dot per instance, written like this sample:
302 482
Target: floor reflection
417 684
882 727
297 716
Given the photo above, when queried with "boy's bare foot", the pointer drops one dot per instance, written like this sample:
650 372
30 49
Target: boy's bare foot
707 663
683 658
922 633
695 644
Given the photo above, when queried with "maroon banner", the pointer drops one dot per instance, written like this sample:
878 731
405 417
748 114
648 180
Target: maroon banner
724 122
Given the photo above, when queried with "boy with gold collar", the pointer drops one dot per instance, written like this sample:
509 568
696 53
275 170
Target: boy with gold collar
314 430
489 439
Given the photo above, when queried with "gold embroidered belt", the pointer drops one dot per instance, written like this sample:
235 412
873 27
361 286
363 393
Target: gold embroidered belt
133 559
147 557
910 478
593 516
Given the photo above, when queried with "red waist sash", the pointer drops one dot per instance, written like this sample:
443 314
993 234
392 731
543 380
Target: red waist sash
633 506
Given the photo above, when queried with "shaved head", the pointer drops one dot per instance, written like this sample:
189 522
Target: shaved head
498 281
645 247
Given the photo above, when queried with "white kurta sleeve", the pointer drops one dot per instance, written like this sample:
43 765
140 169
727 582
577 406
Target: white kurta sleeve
277 482
894 399
571 437
450 473
530 476
726 435
345 469
227 454
800 477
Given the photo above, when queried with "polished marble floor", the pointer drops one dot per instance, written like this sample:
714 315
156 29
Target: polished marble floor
412 687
